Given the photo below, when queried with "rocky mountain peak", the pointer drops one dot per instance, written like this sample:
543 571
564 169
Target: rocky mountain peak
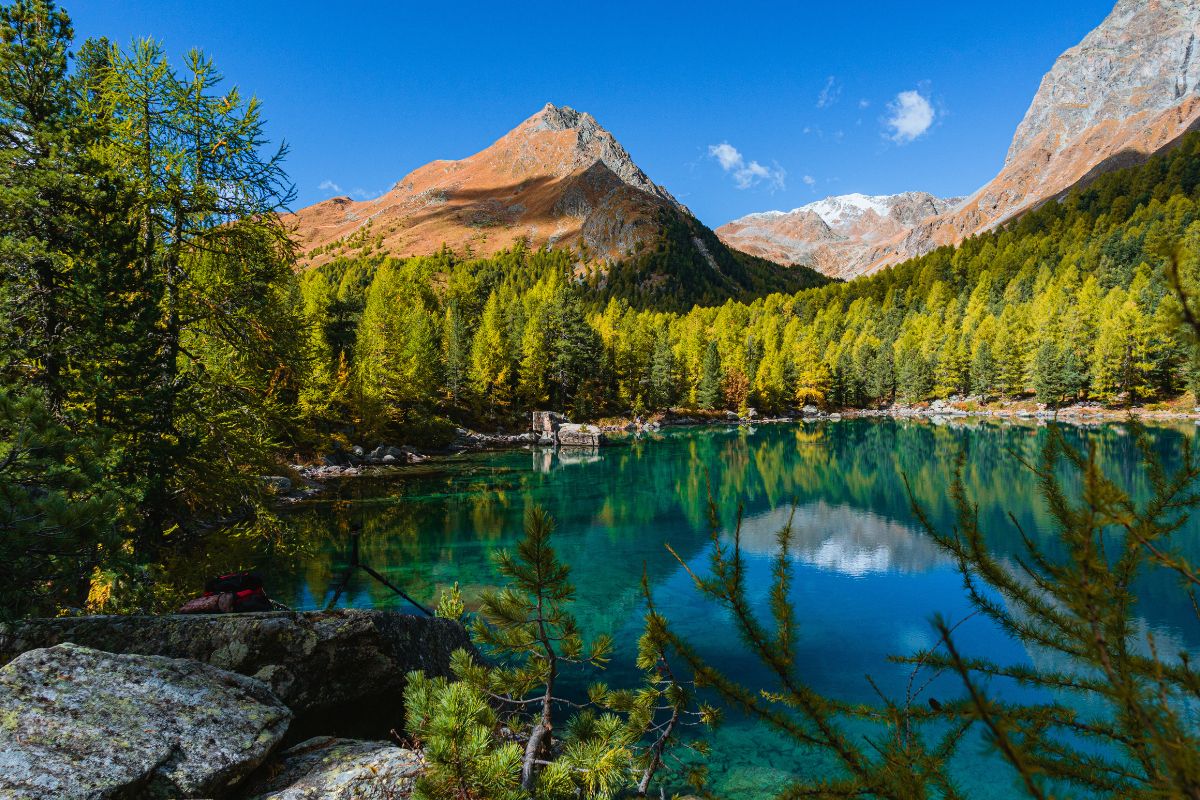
557 179
593 144
1128 90
561 118
1142 58
838 235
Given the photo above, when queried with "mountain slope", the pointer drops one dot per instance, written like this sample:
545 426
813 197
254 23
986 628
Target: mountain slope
1128 90
557 180
838 236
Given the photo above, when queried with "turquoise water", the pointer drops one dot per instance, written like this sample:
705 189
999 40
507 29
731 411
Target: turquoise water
867 580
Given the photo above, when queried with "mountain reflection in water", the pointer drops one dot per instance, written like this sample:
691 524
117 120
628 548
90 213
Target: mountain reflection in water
843 539
867 580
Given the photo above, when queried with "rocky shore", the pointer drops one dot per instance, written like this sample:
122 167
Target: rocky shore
1077 413
224 706
552 430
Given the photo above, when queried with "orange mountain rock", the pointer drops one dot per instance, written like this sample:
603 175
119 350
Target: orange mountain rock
557 180
1130 89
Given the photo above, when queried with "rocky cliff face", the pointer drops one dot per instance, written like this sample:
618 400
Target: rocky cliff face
1128 90
339 671
1141 61
557 179
840 236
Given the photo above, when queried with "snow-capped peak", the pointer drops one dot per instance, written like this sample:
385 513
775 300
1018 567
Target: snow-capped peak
834 210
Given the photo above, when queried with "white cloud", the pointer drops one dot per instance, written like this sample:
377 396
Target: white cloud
746 173
328 185
809 180
910 116
727 154
830 93
864 103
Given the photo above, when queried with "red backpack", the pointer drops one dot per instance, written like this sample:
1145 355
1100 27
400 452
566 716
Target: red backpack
235 592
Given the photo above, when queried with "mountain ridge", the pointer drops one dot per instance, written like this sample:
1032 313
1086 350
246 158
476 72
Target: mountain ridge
558 180
1128 90
834 232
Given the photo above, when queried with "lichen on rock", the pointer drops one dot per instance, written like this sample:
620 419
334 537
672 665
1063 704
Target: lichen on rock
327 768
81 723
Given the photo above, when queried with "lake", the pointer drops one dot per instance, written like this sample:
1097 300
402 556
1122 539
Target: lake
867 579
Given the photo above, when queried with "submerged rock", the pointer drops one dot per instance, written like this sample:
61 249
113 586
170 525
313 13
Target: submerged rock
77 722
325 768
341 672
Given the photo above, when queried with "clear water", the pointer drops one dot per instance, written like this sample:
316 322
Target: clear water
867 580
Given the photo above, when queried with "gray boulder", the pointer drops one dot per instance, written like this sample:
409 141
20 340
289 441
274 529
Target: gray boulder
80 723
547 422
572 435
341 672
325 768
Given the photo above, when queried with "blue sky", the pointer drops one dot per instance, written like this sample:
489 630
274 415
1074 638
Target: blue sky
733 107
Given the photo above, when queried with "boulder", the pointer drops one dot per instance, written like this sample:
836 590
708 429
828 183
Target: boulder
547 422
77 722
341 672
325 768
277 484
572 435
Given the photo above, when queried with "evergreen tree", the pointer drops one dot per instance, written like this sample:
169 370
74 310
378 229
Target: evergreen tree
43 170
1050 380
398 352
459 734
983 369
663 389
205 203
575 350
55 509
490 367
708 392
456 352
528 625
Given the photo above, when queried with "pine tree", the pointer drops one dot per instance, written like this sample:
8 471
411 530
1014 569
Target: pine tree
57 508
42 173
490 370
459 734
576 350
663 391
528 625
1049 376
708 393
398 352
456 352
660 712
206 191
983 369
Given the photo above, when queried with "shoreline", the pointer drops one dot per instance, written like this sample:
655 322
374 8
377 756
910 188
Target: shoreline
387 460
